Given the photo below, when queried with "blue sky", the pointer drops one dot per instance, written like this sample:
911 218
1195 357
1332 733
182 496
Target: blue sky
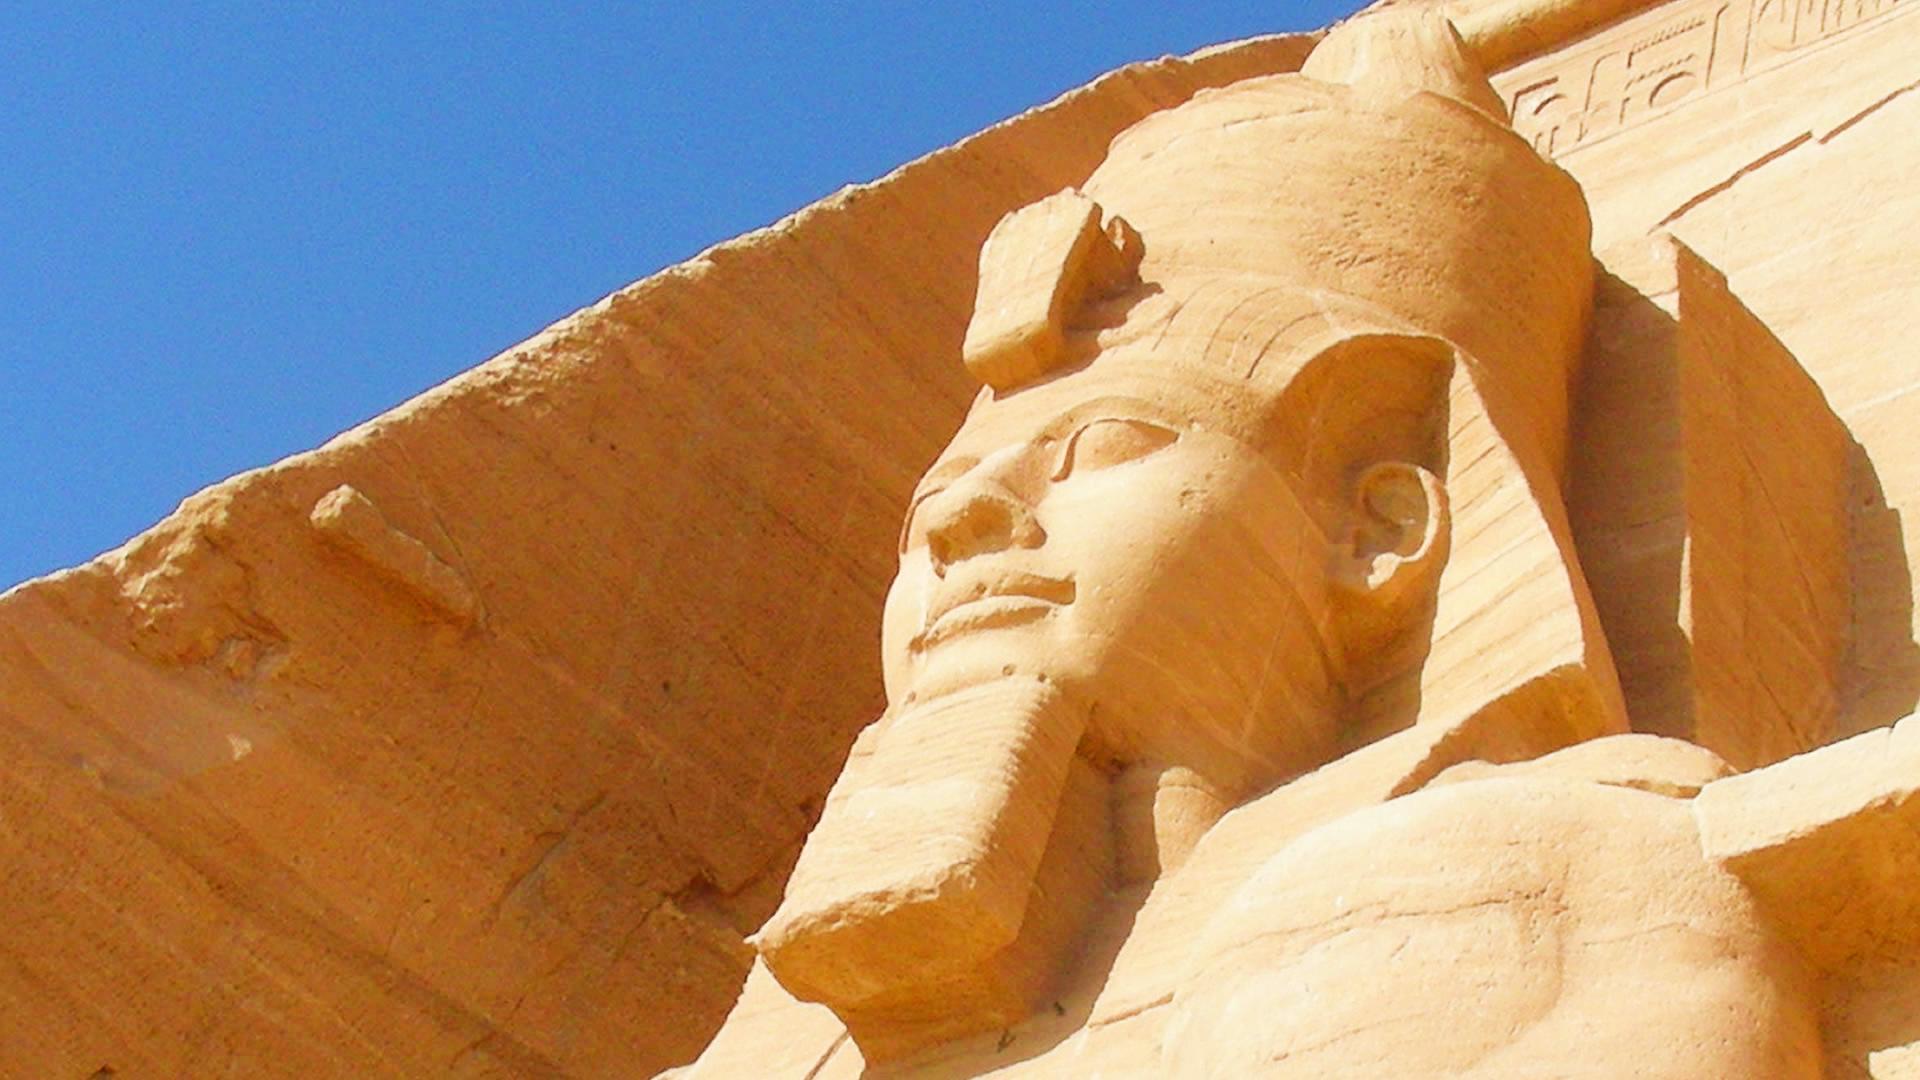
228 232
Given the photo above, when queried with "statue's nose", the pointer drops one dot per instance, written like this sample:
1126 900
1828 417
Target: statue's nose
977 517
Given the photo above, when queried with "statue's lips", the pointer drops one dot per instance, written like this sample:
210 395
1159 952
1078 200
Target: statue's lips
990 602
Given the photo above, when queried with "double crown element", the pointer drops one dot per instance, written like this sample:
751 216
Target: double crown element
1387 176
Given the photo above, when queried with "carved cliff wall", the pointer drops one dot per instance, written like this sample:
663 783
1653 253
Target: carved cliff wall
472 742
1772 138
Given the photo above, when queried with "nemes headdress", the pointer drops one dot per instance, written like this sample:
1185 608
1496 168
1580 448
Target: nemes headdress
1313 257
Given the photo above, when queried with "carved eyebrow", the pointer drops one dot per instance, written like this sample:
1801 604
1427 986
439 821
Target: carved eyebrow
1061 427
1111 407
942 474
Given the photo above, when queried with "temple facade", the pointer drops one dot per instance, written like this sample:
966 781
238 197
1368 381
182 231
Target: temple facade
1372 552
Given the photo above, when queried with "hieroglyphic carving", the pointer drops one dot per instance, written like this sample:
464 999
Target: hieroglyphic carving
1783 26
1654 61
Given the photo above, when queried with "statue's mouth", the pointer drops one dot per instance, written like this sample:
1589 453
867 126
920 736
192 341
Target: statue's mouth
992 601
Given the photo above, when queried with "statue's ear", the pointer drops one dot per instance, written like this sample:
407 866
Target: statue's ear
1362 427
1396 537
1388 561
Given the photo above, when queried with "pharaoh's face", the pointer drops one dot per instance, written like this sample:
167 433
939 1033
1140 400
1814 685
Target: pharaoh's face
1093 534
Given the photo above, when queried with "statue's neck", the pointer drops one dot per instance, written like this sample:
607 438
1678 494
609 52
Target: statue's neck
1159 813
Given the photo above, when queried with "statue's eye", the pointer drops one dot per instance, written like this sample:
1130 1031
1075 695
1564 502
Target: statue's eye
1106 443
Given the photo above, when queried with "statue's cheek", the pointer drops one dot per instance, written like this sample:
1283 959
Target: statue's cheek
902 617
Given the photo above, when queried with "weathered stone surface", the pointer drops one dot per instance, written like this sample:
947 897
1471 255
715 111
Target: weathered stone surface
1775 118
1681 504
1438 860
476 741
1830 842
488 767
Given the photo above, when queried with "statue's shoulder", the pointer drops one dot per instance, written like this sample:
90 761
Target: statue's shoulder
1396 816
1385 801
1412 763
1471 926
1652 763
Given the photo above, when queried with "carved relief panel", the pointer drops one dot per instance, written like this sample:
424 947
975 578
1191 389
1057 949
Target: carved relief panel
1663 57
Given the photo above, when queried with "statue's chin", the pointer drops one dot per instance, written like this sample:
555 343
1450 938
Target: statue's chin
918 880
980 656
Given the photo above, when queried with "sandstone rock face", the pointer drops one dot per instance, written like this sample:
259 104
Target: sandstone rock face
474 742
1254 690
1420 847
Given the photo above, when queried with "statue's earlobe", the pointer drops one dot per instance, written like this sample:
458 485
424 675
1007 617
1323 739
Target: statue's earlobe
1388 563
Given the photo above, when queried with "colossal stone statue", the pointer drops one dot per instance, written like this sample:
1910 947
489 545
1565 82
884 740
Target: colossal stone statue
1248 712
1415 593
